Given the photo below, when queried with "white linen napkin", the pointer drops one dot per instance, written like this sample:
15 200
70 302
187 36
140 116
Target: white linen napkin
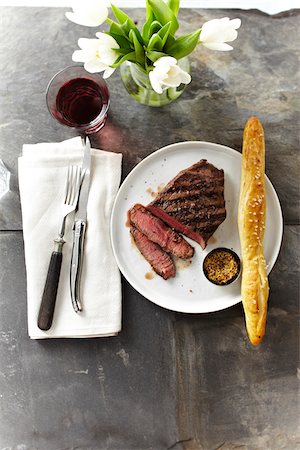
42 177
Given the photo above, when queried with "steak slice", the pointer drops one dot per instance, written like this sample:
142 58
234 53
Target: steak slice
160 261
193 202
160 233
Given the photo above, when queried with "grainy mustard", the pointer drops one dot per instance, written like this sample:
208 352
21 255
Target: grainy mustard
221 266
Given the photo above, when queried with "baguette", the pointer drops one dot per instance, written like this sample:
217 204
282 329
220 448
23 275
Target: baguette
251 224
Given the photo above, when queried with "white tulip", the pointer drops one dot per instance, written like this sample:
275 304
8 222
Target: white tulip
97 54
215 33
167 73
90 13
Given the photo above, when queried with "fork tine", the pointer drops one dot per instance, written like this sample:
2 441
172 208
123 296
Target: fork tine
74 185
67 185
70 185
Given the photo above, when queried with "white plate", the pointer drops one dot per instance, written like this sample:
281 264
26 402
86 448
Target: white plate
189 291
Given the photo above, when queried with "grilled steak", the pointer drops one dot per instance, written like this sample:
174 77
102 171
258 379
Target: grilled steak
160 261
193 202
157 231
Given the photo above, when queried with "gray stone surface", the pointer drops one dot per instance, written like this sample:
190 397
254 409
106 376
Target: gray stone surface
169 380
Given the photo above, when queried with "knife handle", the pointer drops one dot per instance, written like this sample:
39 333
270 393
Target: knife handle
47 306
76 263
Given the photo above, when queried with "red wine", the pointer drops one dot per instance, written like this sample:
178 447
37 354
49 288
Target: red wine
79 101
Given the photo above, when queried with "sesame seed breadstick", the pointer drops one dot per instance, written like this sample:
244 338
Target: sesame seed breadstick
251 223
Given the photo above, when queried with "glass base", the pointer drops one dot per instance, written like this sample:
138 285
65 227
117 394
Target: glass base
137 84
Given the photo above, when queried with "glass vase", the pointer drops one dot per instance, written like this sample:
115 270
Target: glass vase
137 84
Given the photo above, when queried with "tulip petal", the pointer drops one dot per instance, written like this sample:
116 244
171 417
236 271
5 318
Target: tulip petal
108 72
107 40
79 56
71 16
97 16
172 82
91 14
220 46
236 23
88 44
155 82
94 66
185 77
86 21
165 60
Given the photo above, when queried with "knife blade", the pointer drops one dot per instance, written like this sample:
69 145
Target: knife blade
79 229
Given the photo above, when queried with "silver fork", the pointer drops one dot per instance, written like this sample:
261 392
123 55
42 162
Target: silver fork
47 306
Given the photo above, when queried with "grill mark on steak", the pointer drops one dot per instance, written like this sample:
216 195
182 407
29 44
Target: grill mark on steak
193 202
194 208
160 233
159 260
190 216
179 196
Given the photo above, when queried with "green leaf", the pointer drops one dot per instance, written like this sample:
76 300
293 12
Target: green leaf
121 16
164 14
164 32
122 51
121 40
126 27
146 28
154 28
174 6
154 55
126 22
118 34
139 50
149 12
121 59
116 29
170 41
155 43
184 45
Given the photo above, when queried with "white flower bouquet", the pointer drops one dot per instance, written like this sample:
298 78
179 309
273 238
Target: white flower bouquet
154 51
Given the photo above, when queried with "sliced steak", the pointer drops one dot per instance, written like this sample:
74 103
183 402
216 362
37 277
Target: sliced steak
160 261
157 231
193 202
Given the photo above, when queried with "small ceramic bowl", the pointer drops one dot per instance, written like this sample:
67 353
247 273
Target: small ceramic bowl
222 266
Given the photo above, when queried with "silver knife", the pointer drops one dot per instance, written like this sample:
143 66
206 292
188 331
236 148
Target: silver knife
79 229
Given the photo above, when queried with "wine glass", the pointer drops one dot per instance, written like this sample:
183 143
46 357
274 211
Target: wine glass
78 99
